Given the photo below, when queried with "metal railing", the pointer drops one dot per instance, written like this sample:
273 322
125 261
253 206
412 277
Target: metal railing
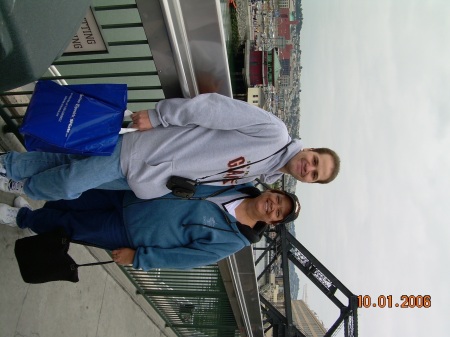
192 302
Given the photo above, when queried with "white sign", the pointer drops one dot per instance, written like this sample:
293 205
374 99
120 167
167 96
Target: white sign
88 38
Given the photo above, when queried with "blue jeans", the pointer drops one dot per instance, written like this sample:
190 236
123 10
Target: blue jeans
55 176
96 218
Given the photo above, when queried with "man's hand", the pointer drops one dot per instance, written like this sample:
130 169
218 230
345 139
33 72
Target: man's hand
141 121
123 255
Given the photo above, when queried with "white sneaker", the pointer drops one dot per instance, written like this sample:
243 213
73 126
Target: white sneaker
8 215
11 186
20 202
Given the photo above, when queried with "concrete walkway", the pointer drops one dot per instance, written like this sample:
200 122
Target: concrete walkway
102 304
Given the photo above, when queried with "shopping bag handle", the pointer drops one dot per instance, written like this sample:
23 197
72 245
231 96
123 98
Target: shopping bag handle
126 130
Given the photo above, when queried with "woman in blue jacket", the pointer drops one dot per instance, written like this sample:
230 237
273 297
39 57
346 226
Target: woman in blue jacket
165 232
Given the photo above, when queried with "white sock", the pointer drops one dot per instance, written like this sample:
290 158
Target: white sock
20 202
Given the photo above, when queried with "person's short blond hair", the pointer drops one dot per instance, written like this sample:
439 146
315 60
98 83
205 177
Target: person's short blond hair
336 162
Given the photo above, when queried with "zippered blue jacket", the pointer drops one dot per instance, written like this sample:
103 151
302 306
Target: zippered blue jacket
171 232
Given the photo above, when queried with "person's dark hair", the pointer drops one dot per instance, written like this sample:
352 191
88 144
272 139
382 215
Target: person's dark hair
336 161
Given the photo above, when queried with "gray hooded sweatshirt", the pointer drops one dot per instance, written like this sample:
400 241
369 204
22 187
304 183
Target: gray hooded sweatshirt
204 136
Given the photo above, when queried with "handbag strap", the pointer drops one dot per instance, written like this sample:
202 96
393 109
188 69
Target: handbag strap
90 245
78 242
94 263
198 182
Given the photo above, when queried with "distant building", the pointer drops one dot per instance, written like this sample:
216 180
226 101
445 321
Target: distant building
263 68
255 96
306 320
284 29
270 290
286 4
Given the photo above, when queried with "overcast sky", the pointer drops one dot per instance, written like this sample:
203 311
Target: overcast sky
376 88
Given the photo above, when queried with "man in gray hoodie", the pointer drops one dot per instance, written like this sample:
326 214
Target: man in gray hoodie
210 138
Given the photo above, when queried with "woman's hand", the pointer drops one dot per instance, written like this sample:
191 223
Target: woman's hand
123 255
141 121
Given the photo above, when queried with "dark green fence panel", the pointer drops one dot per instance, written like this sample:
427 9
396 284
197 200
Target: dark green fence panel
192 302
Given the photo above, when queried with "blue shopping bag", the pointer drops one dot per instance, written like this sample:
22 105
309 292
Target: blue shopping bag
77 119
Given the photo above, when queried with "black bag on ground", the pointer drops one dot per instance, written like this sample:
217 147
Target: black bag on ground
44 258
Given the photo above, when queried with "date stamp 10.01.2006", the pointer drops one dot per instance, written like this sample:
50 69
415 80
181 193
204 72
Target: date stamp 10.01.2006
387 301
